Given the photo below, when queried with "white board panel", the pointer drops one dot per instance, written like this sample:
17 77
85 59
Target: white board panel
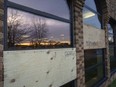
93 38
39 68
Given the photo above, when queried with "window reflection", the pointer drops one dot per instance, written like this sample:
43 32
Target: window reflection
91 18
26 30
93 76
93 57
111 48
91 4
69 84
56 7
93 66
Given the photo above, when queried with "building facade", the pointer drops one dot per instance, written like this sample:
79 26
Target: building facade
81 52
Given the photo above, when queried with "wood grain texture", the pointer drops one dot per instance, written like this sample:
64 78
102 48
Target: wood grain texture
39 68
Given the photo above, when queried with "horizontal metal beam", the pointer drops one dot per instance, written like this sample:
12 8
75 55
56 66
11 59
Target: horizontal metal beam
87 7
36 12
93 67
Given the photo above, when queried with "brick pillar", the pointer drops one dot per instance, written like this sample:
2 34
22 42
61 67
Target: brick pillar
106 20
78 35
113 15
113 22
105 15
1 46
113 9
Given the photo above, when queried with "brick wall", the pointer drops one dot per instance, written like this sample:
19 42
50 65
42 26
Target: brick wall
1 46
105 14
78 32
108 10
112 8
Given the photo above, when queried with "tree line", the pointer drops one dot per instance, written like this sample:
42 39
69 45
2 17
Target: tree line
18 31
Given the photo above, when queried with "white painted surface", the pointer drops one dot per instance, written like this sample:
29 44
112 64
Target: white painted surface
93 38
39 68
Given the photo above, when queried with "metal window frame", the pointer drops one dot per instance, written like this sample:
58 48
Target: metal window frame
9 4
36 12
92 10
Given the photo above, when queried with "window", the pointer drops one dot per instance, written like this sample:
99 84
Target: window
55 7
90 14
69 84
112 47
94 66
91 4
38 24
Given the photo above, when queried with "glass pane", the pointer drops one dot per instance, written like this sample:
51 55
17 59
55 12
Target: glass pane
94 75
69 84
94 70
111 48
93 57
26 30
56 7
91 18
91 4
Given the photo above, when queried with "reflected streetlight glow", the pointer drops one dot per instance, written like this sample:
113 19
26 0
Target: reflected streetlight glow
88 15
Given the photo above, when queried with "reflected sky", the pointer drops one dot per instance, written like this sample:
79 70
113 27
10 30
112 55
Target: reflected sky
91 18
91 4
56 7
111 47
110 30
110 33
56 30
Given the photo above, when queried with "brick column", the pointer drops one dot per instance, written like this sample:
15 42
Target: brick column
78 35
105 11
1 46
113 77
105 15
112 7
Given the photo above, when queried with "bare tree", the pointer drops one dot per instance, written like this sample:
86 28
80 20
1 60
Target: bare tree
39 30
16 28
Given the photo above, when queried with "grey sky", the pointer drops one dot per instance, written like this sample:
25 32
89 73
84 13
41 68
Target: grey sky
56 7
55 28
91 4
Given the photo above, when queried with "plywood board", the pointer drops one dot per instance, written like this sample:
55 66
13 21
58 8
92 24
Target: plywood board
93 38
39 68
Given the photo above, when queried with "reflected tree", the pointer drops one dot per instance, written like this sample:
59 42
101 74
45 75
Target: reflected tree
16 29
39 31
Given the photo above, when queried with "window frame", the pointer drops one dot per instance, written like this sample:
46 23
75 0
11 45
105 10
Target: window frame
9 4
